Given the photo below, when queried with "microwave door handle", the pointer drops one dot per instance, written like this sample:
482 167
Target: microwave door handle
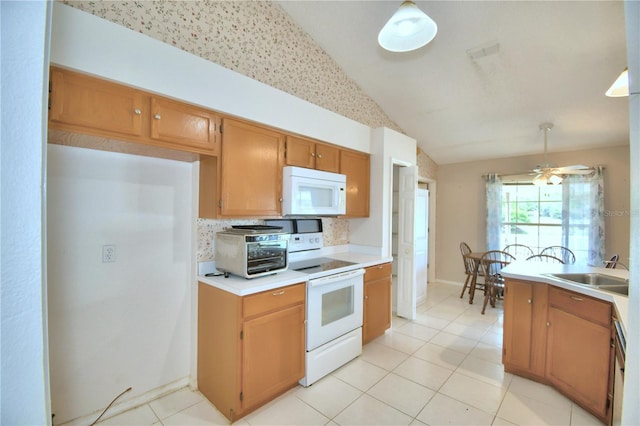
335 278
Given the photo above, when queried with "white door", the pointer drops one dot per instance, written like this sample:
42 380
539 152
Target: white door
407 186
421 243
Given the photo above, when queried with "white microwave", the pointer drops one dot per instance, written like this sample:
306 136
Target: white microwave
313 192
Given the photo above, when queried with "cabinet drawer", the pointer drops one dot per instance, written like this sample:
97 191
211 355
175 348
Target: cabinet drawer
270 300
377 272
580 305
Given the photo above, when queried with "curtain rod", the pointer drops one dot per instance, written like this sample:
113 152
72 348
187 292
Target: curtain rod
524 173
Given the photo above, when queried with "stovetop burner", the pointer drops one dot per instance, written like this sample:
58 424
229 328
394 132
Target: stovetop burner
319 264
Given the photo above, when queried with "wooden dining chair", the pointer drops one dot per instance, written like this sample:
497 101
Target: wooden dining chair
613 262
469 269
561 252
544 258
519 251
492 263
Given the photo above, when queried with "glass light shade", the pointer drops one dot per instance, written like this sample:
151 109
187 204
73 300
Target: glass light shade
620 87
540 180
555 179
408 29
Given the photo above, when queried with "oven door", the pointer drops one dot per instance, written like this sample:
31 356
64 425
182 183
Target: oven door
334 306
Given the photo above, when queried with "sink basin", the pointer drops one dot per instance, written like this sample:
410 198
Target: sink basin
600 281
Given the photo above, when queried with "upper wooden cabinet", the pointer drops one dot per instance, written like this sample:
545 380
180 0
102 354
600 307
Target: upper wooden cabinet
307 153
89 105
97 106
356 166
252 158
175 122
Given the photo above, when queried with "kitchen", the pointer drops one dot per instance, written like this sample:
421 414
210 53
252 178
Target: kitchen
173 254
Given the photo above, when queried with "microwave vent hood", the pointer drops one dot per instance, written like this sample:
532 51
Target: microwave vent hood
309 192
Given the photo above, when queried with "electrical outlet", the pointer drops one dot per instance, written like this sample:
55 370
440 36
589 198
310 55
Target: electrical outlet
108 253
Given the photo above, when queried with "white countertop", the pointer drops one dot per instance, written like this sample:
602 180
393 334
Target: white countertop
536 271
242 287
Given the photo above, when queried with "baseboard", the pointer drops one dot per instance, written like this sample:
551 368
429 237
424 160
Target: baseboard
119 408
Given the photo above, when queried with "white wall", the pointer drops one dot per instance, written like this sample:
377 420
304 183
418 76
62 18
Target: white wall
631 408
387 147
24 388
127 323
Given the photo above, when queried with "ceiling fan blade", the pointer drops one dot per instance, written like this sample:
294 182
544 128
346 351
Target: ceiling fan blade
576 172
575 167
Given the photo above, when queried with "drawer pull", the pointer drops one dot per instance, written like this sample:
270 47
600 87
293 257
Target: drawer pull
577 299
278 293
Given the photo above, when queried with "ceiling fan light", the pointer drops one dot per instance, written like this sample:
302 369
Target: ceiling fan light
555 179
408 29
540 180
620 87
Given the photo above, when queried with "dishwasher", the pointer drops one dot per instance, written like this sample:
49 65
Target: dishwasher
618 374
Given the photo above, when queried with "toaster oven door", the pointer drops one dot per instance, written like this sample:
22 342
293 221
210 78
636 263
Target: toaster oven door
266 256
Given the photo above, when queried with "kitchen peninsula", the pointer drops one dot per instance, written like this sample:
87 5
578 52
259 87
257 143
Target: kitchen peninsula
563 333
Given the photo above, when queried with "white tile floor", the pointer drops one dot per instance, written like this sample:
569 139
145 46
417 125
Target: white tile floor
442 368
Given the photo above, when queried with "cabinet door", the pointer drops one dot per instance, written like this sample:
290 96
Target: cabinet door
377 302
578 359
356 166
94 106
252 159
327 158
300 152
273 354
518 320
178 123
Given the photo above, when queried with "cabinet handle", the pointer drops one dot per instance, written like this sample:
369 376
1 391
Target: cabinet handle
313 154
157 116
278 293
529 301
548 324
319 155
137 111
577 299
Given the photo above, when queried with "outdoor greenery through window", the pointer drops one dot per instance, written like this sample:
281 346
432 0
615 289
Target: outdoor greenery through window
532 215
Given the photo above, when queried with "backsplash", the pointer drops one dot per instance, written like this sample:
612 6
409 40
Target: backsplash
335 232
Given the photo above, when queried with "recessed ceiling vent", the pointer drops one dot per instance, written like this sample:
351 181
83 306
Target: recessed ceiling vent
483 51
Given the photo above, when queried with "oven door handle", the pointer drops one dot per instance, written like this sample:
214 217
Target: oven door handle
330 279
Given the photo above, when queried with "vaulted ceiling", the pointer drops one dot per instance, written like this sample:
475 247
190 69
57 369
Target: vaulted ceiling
545 61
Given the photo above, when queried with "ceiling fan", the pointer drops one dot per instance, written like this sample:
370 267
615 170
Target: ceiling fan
549 173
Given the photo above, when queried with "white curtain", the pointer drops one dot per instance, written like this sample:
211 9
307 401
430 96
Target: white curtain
494 211
583 214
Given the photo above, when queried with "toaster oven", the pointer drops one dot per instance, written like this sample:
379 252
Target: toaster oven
251 251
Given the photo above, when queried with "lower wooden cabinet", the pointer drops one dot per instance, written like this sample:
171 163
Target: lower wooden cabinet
377 301
250 349
524 334
561 338
579 350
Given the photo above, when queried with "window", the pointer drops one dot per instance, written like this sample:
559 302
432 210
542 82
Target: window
531 215
569 215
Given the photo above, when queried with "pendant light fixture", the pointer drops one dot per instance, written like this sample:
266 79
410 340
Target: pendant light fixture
408 29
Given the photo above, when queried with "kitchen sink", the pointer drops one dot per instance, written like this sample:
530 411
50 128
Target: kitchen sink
599 281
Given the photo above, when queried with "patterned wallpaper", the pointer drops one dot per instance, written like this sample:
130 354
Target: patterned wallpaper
257 39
